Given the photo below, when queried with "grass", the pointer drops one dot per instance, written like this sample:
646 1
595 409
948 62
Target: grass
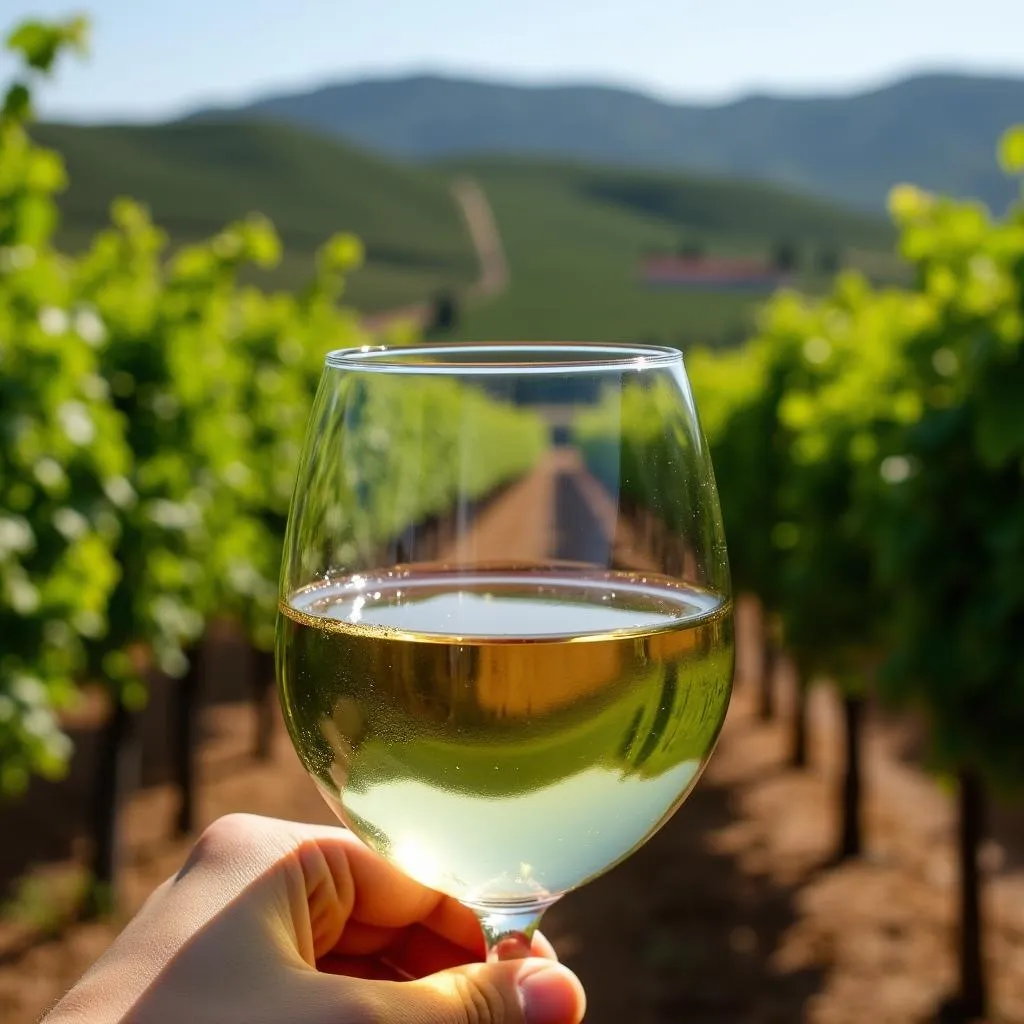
573 237
196 176
44 901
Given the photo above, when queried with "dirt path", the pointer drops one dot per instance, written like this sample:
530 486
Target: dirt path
730 914
559 512
483 229
516 528
494 275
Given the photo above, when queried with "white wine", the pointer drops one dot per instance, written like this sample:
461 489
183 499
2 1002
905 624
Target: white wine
504 736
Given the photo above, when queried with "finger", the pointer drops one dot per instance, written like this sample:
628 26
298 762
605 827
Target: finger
541 947
455 922
417 952
360 939
366 968
449 920
458 924
324 877
245 848
382 895
512 992
526 991
447 938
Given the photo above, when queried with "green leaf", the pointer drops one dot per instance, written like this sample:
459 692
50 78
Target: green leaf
35 219
908 202
1011 150
39 42
1000 425
45 171
341 254
17 106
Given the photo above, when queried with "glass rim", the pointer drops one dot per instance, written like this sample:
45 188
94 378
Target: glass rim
521 357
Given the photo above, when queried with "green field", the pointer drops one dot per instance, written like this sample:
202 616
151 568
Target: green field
573 234
196 176
573 237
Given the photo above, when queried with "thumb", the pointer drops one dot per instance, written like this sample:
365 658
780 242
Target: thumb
532 991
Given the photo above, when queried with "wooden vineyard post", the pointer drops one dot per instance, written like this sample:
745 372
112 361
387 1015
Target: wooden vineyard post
769 657
798 753
117 777
185 740
971 828
851 843
264 695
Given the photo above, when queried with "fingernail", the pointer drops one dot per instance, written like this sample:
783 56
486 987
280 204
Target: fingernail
551 994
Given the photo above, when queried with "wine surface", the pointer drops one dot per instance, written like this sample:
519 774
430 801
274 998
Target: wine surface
504 736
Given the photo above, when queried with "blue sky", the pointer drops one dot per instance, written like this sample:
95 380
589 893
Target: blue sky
153 58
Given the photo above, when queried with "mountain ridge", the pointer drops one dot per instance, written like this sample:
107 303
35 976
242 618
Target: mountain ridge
938 129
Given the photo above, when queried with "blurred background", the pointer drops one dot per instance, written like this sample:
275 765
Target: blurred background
820 205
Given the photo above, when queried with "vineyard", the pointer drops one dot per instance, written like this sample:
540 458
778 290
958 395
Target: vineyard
151 415
868 447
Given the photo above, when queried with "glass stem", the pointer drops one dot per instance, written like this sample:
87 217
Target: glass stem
508 931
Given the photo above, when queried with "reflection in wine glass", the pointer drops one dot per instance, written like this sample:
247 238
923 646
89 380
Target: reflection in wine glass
505 647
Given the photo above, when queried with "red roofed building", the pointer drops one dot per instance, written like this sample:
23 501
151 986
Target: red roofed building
711 273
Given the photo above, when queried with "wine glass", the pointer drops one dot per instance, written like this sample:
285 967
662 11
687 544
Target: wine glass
505 647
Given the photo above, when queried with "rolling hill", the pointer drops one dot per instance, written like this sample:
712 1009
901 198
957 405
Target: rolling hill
197 176
938 131
574 236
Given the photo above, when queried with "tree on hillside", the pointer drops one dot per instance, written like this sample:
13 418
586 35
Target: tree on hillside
828 259
691 248
785 256
444 314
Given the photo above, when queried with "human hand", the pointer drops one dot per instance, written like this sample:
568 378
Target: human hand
271 922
